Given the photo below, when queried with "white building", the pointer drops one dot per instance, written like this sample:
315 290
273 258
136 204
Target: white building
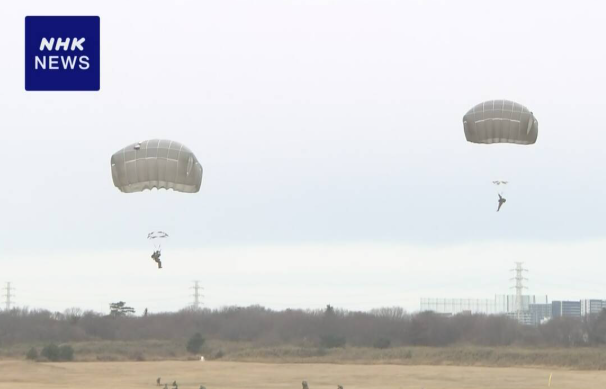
591 307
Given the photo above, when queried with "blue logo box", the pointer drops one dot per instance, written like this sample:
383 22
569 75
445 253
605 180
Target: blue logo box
62 53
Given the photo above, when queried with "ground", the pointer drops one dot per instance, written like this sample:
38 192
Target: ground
238 375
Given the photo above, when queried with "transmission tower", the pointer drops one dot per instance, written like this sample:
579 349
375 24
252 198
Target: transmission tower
8 296
196 305
519 287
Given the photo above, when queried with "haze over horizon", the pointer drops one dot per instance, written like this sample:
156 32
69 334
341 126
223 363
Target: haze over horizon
336 170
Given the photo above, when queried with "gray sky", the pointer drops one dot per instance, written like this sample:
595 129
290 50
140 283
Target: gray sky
335 165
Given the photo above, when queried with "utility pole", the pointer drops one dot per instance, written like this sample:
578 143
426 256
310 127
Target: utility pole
519 287
196 305
9 296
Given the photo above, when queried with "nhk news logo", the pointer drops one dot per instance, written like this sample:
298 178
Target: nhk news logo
62 53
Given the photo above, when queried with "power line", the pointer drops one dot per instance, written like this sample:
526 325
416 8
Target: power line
196 305
8 296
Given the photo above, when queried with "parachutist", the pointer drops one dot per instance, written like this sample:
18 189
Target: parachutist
157 237
501 202
156 257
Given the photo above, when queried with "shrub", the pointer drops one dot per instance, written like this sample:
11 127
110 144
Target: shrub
332 341
32 354
382 343
195 343
66 353
219 354
54 353
51 352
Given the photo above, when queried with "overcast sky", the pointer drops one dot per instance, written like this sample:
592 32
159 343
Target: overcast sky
336 169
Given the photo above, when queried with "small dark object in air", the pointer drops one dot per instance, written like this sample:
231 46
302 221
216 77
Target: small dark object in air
156 257
501 202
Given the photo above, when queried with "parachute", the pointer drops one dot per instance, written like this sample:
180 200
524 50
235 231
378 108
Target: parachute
157 235
156 163
500 121
501 186
157 238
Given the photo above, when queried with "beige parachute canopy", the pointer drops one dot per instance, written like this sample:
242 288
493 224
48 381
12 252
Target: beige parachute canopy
156 163
500 121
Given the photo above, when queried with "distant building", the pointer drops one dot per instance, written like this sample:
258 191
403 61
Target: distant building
565 309
453 306
530 310
539 313
523 317
592 307
507 303
500 305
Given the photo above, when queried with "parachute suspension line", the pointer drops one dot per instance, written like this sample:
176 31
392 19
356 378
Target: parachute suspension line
501 186
156 238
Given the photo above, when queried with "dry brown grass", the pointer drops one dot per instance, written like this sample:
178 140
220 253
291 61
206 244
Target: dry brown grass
238 375
583 358
578 358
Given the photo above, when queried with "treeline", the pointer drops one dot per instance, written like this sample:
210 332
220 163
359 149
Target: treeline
328 328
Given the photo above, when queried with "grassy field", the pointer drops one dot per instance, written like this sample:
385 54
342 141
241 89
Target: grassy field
240 375
582 358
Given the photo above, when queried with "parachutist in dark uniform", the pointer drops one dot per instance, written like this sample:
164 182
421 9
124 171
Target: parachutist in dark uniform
501 202
156 257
